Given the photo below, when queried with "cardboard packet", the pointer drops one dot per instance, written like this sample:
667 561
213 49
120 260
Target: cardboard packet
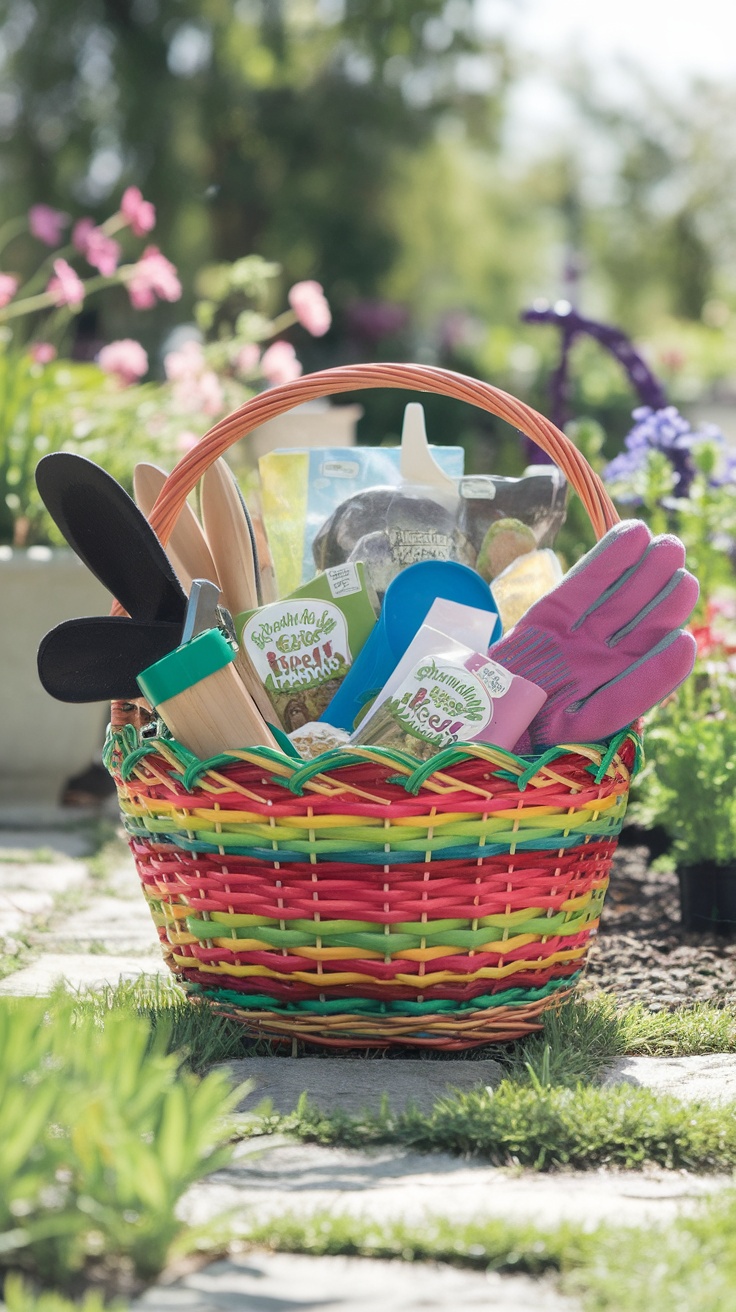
302 647
443 692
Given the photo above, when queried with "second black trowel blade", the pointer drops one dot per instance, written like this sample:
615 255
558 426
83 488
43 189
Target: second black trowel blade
96 659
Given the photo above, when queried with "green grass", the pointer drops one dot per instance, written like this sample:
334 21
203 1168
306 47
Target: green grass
20 1296
97 1087
577 1041
542 1128
688 1265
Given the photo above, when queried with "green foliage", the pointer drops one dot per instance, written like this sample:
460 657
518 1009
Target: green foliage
20 1297
704 520
688 1264
689 783
101 1131
257 126
542 1125
37 406
76 407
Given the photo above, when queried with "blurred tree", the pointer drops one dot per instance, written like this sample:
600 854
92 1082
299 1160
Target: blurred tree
660 209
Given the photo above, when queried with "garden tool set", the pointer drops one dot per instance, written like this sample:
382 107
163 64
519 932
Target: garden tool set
364 647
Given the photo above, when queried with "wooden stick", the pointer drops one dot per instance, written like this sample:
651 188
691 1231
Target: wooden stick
229 539
187 547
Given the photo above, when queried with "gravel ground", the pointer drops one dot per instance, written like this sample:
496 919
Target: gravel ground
642 954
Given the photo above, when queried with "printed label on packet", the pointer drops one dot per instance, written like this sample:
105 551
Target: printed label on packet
410 545
440 703
302 647
443 692
344 580
339 469
297 644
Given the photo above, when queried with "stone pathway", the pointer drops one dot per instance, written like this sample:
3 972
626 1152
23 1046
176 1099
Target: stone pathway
61 921
64 917
282 1282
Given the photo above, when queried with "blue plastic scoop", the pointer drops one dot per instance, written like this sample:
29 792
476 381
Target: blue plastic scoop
409 597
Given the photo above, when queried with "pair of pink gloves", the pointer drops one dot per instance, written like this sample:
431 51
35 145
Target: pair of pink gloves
606 644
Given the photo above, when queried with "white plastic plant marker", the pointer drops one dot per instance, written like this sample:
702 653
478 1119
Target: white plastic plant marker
418 465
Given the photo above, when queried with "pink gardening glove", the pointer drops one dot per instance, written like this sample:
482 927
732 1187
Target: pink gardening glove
606 644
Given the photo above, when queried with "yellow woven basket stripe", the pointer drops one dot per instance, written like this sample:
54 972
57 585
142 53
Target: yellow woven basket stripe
337 978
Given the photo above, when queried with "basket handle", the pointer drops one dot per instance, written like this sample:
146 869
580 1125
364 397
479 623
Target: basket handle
358 377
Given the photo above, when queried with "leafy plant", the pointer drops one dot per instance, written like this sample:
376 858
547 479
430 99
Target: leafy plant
70 405
20 1297
689 783
101 1131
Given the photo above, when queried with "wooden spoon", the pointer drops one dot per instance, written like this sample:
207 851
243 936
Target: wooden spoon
230 538
187 547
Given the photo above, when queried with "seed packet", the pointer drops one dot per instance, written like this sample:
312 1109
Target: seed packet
538 500
302 647
443 692
390 528
301 489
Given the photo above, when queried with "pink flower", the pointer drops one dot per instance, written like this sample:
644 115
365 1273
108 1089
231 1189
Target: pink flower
66 287
80 234
196 388
279 363
247 359
185 441
308 302
126 359
98 249
46 224
185 363
153 276
8 287
139 213
199 394
42 352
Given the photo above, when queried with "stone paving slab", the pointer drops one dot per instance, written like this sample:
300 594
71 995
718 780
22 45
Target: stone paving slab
53 877
33 836
284 1176
78 971
284 1282
710 1078
121 924
353 1084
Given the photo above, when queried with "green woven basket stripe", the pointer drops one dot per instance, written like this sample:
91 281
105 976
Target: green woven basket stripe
367 1006
533 840
390 943
397 837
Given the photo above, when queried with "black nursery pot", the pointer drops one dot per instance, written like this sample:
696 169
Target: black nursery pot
708 898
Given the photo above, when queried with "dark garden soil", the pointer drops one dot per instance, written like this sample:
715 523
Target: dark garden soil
642 953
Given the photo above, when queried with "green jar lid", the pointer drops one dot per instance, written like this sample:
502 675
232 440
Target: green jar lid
196 660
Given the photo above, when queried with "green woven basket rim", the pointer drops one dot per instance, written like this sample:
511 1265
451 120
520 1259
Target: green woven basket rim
123 750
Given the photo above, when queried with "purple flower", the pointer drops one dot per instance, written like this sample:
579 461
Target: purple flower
667 431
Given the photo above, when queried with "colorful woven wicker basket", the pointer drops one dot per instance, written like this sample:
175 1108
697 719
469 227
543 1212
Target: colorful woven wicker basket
363 899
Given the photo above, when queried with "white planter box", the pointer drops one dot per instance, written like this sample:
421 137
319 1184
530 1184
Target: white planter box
42 742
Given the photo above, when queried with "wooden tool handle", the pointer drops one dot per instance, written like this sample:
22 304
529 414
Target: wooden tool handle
228 537
216 714
187 547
